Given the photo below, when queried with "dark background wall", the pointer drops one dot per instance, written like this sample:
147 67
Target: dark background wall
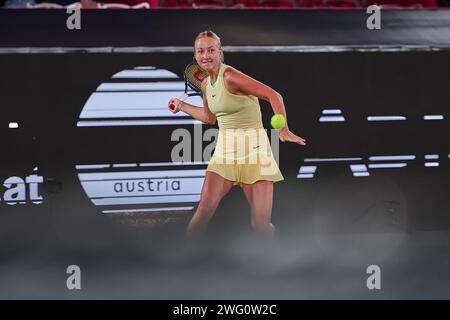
150 28
45 93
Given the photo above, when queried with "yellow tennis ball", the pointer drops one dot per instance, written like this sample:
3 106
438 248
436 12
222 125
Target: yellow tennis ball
278 121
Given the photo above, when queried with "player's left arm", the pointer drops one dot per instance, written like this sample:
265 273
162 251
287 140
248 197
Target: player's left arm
239 83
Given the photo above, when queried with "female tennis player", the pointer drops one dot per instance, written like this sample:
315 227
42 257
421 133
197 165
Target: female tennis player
231 98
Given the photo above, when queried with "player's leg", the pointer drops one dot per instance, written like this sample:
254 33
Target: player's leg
215 187
260 197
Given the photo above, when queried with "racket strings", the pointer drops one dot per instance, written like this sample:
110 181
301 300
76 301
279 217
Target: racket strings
194 75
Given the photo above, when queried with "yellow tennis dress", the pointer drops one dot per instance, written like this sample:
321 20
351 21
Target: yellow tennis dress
243 153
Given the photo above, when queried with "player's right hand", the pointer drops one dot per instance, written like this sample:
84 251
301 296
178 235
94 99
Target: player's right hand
174 105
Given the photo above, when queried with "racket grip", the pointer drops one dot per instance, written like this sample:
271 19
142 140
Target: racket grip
172 105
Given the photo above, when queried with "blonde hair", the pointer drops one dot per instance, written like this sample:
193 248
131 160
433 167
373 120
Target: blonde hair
211 34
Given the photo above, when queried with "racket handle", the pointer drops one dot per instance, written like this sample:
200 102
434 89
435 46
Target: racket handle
172 105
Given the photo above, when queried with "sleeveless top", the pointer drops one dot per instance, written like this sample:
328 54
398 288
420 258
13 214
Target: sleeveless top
231 110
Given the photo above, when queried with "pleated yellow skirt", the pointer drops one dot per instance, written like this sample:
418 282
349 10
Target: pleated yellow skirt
244 157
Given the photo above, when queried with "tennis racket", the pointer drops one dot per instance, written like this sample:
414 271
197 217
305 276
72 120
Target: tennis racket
193 77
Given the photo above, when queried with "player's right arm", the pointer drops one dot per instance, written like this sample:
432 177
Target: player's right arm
202 114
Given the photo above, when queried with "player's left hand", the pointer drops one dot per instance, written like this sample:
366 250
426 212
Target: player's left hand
286 135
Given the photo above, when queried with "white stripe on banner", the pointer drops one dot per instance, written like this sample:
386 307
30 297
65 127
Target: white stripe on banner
146 200
114 104
145 68
305 176
387 165
361 174
433 117
387 158
91 166
149 210
157 164
331 119
358 167
386 118
142 86
331 111
308 169
127 113
150 164
431 164
330 159
145 74
123 123
125 165
140 175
